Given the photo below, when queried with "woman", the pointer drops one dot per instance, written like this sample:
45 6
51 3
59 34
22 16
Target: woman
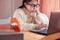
30 17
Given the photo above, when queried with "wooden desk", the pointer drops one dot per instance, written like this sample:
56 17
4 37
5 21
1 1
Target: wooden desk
52 37
32 36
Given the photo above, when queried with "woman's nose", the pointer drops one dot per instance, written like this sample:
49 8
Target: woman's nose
34 8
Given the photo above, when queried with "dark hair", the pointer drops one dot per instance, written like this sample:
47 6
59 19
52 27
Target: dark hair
24 1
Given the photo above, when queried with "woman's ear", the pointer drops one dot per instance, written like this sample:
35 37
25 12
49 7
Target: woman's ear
25 4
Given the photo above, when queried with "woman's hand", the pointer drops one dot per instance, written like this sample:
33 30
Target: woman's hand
39 26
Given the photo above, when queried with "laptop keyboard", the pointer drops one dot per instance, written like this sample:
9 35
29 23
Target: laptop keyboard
44 31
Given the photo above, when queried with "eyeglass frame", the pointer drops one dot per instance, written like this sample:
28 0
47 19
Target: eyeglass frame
33 5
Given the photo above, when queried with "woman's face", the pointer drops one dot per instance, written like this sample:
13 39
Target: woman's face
32 6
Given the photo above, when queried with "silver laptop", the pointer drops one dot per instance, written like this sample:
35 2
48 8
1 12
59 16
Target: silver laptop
54 24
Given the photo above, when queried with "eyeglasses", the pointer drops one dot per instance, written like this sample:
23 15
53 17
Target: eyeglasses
33 5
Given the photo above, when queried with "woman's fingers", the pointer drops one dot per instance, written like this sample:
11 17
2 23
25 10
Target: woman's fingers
39 26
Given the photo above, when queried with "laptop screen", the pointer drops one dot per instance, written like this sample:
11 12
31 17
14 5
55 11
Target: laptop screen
54 24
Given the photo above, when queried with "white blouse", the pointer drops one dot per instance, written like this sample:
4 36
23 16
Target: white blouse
26 21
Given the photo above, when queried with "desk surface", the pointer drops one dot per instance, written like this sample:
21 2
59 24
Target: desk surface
52 37
32 36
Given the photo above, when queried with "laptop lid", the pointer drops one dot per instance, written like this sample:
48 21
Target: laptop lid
54 24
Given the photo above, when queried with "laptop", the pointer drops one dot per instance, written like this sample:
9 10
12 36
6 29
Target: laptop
54 25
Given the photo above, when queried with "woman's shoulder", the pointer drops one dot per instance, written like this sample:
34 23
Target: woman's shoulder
19 10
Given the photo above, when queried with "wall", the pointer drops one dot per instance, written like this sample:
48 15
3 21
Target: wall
16 4
7 7
49 5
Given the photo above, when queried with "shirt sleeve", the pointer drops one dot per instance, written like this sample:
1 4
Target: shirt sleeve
42 18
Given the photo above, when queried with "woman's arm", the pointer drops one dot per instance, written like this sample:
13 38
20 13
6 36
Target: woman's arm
25 26
42 21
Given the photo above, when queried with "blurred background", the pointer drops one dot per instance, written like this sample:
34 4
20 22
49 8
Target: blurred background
7 7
